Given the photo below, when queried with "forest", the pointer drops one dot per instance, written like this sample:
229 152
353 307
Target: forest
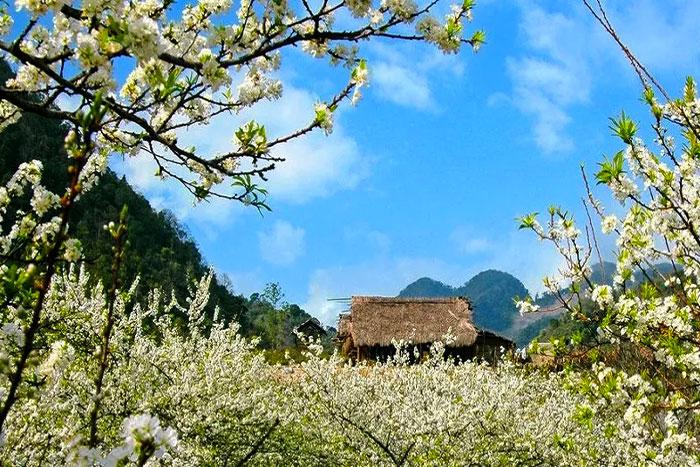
161 253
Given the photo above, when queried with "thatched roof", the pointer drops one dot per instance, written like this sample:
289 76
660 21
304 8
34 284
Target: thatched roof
378 320
310 325
344 325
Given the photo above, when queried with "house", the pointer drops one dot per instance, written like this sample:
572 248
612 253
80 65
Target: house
367 331
310 328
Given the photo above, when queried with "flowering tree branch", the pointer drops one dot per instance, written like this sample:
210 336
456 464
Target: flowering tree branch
651 312
182 73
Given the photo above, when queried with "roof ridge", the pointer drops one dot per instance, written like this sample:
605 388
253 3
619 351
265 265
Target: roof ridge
374 298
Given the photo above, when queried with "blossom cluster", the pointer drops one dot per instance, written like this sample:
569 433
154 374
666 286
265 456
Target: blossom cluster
217 401
651 308
191 65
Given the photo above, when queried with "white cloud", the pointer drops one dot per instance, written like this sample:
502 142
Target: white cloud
403 76
558 80
283 245
552 77
402 86
565 53
139 170
316 165
69 103
466 241
549 127
379 239
368 238
247 282
663 35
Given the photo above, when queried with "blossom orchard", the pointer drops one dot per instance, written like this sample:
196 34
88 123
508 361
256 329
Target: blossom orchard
82 382
649 311
207 398
182 67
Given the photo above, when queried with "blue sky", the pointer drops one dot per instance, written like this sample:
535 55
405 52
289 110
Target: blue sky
426 175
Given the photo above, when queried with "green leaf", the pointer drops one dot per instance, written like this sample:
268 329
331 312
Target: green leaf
610 169
527 221
201 193
690 90
624 128
479 37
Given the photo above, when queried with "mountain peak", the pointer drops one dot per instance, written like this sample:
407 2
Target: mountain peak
492 275
493 281
490 291
427 287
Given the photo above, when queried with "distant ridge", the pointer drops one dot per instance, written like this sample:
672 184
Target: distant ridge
492 293
427 287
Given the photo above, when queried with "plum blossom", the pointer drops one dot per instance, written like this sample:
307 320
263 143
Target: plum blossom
602 295
72 250
609 223
324 117
43 200
526 306
142 432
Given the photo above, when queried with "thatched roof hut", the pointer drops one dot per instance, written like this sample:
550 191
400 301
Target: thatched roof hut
344 325
310 327
375 321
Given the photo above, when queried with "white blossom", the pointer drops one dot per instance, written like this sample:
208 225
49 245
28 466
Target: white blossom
324 117
526 306
72 251
602 295
609 224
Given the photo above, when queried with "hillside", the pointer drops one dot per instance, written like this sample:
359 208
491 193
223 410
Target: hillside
492 293
161 252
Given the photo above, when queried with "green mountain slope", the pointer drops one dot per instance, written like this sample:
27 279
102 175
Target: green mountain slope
427 287
491 292
161 252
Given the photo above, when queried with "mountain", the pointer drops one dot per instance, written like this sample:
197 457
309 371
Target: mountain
427 287
491 293
162 253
